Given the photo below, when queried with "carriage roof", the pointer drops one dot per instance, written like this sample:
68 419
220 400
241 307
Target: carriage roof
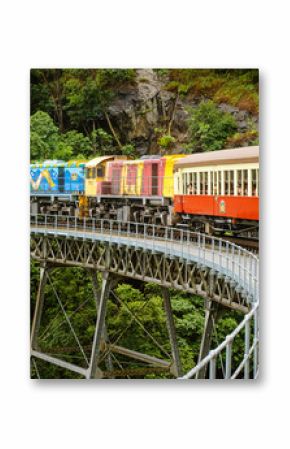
231 156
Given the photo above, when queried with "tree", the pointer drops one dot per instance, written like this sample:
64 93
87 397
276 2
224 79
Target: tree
80 145
47 92
88 93
46 141
210 127
43 136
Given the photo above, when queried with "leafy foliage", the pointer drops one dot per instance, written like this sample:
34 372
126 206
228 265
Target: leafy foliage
134 312
129 150
46 142
166 141
239 139
76 97
238 87
209 127
43 136
69 121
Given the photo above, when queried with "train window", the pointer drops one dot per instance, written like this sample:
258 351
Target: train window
194 183
226 182
232 182
239 182
190 184
206 183
201 183
245 183
255 180
220 185
229 182
184 183
210 176
100 171
213 183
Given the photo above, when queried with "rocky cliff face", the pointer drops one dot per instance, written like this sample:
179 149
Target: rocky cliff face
140 110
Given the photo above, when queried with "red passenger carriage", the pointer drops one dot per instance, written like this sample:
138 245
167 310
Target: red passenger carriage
219 190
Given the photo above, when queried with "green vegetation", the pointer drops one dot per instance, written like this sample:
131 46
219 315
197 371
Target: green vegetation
129 150
238 87
46 142
143 301
71 119
72 116
166 141
74 100
209 127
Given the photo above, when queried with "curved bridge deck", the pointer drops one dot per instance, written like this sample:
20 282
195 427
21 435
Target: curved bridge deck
226 260
210 267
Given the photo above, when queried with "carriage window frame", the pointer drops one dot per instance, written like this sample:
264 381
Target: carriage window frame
100 171
201 183
183 183
194 184
229 182
226 182
89 173
246 182
255 182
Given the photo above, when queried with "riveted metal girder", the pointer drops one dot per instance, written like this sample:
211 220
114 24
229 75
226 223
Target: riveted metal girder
141 264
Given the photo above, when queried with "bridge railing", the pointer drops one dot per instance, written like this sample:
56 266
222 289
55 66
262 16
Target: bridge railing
248 368
240 265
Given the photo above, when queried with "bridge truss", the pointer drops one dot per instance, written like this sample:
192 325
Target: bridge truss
223 274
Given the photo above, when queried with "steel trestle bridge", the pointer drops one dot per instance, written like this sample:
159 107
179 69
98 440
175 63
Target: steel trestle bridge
225 275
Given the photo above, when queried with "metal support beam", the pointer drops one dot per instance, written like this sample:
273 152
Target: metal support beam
104 338
176 368
93 368
211 315
38 307
58 362
154 361
139 372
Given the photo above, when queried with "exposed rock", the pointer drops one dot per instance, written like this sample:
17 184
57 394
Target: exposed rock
141 108
228 108
242 125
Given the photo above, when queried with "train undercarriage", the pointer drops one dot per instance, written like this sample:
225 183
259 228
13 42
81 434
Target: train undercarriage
157 211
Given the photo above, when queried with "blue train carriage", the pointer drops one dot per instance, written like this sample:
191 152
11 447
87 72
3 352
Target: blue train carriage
57 177
56 186
73 177
44 177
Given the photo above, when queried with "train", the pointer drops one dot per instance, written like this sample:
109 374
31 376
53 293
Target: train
213 192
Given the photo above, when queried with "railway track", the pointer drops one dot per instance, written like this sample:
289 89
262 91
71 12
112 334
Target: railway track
245 242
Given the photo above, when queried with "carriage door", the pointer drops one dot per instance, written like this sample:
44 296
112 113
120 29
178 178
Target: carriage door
154 185
61 179
116 178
